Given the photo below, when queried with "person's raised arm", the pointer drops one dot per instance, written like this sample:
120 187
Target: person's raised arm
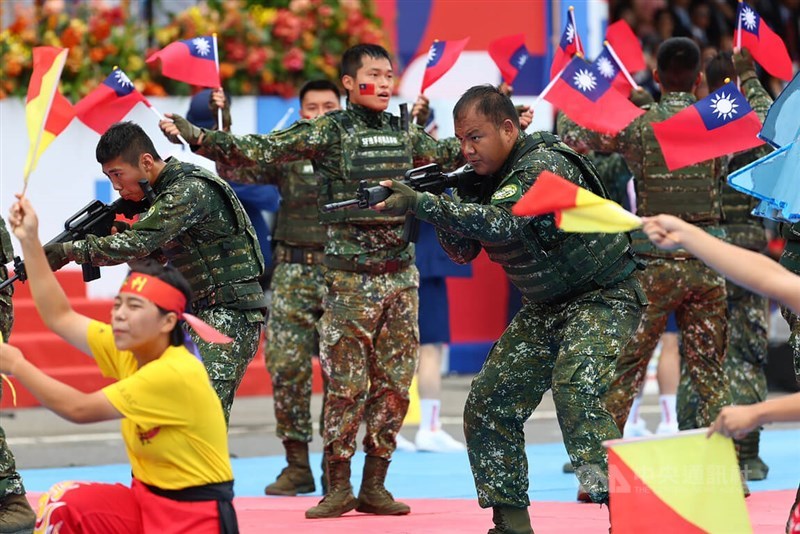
51 302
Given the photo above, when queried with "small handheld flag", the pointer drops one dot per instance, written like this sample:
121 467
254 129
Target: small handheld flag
766 46
109 102
442 55
191 61
626 45
568 45
510 55
576 209
721 123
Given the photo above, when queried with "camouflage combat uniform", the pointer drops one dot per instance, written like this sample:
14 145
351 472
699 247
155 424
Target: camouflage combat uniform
581 304
10 480
615 176
674 281
298 289
198 225
368 330
791 260
748 313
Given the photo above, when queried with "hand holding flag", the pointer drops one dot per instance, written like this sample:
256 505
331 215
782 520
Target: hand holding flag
442 55
510 55
191 61
576 209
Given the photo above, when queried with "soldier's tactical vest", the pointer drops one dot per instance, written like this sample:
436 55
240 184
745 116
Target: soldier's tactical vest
298 218
691 193
224 271
791 253
547 272
741 228
367 154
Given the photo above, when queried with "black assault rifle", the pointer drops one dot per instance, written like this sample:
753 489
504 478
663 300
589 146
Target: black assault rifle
96 218
426 179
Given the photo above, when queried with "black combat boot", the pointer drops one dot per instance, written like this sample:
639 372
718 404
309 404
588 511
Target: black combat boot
373 497
339 499
16 515
509 520
296 477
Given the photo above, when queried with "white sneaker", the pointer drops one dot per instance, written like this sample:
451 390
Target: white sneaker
667 428
636 430
437 441
404 445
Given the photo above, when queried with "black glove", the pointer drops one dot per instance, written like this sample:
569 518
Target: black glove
743 63
402 200
189 131
58 254
641 97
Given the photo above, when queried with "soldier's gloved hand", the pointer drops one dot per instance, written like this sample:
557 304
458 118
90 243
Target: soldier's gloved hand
58 255
218 100
402 200
421 111
641 97
744 65
178 125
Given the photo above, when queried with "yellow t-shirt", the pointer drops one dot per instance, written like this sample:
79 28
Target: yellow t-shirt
174 428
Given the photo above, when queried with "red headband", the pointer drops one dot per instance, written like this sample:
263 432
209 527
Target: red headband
171 299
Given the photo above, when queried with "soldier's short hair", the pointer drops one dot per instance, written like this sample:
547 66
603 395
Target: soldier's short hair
719 68
678 64
126 140
353 57
171 276
489 102
319 85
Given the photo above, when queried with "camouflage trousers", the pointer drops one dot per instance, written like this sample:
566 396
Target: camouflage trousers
697 295
297 294
227 363
571 348
369 336
794 337
747 355
10 479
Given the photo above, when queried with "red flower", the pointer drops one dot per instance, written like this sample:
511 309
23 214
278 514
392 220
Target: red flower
294 60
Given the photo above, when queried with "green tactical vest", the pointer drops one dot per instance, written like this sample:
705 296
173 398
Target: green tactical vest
224 271
298 217
547 272
791 253
741 228
367 154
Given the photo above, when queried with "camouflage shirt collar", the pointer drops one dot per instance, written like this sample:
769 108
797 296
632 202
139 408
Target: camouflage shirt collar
678 99
512 157
167 172
372 118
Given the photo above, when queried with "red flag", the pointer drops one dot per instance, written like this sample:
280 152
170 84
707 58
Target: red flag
584 95
626 45
608 67
510 55
109 102
721 123
442 55
568 46
192 61
766 47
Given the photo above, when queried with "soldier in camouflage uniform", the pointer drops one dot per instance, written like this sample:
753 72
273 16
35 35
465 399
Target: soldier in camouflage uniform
581 304
196 223
790 258
298 289
16 515
368 330
747 312
674 281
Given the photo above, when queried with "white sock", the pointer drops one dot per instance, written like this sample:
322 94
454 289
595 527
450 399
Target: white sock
668 410
429 414
633 416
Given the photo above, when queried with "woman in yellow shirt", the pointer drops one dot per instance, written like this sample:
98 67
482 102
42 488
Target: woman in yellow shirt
171 419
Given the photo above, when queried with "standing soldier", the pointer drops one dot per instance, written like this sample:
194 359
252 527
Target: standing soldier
16 514
369 330
196 223
298 289
675 281
581 304
748 313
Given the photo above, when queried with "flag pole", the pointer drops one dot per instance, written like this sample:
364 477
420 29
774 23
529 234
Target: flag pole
578 43
621 66
739 36
216 62
161 118
549 86
34 154
282 122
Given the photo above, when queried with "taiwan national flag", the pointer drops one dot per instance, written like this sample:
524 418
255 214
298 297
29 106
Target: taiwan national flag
626 45
442 55
569 45
191 61
767 48
585 96
510 55
608 67
109 102
721 123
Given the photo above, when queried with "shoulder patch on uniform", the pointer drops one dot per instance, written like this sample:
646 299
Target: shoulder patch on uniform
507 191
148 214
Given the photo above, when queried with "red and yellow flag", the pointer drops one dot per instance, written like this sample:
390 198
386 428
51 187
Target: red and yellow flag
47 111
680 483
576 209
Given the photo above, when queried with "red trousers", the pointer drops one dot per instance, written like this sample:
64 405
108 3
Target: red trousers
92 507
